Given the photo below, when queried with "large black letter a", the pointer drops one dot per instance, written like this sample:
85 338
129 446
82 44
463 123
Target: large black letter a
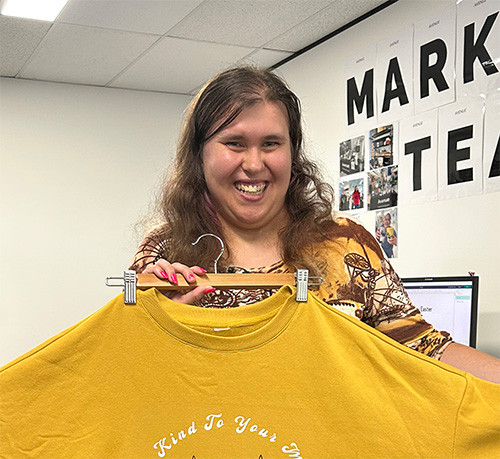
394 73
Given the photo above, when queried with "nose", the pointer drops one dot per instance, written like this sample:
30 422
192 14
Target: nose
253 161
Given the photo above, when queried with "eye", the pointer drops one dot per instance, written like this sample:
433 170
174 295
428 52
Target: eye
234 145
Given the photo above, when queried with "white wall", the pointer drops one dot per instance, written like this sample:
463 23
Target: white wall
78 169
440 238
79 166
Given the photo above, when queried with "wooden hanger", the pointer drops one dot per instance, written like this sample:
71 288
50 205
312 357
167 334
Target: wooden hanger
219 281
133 281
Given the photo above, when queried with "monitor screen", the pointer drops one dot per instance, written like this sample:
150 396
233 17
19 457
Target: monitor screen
448 303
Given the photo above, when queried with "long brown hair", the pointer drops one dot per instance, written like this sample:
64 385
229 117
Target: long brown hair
185 205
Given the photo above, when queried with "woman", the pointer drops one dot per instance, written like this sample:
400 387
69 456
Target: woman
356 198
241 173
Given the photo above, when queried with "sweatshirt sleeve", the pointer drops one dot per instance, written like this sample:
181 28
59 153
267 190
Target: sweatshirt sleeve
477 434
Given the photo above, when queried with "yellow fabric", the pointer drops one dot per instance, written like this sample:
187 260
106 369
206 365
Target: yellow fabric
275 379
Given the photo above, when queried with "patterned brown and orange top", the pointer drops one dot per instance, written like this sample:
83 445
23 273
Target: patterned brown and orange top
358 280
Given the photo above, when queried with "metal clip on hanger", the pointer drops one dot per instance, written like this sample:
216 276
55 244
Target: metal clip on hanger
132 281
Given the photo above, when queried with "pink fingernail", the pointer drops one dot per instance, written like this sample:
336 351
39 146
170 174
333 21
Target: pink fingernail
191 277
209 290
173 278
203 270
164 274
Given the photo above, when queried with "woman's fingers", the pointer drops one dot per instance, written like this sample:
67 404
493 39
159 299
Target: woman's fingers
199 270
163 270
187 272
170 271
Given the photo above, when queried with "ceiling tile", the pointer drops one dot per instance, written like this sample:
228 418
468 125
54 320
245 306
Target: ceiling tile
85 55
245 22
326 21
146 16
176 65
18 39
266 57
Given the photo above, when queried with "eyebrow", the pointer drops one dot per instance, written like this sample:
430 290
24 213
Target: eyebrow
228 136
275 137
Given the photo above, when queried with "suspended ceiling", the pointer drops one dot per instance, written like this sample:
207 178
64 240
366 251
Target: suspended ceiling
169 46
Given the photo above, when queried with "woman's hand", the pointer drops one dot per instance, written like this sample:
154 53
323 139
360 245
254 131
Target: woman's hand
165 270
393 240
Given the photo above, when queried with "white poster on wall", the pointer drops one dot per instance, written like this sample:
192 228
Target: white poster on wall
491 159
352 194
418 176
434 60
460 165
352 153
383 188
361 109
386 231
383 146
478 47
393 77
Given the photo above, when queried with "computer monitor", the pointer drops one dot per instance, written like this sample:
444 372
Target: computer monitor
448 303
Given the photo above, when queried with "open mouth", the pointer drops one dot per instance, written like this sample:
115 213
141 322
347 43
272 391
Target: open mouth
251 189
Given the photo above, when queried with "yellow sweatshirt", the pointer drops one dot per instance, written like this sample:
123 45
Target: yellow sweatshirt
274 379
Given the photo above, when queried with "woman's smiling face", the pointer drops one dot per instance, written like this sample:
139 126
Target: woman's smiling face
247 167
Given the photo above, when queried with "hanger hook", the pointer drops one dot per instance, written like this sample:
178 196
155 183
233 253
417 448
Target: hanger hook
221 244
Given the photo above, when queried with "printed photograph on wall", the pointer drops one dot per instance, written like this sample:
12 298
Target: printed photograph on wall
386 224
383 188
352 156
381 142
352 195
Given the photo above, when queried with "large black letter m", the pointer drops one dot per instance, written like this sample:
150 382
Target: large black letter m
359 98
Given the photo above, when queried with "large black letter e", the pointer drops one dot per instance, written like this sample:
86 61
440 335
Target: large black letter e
459 154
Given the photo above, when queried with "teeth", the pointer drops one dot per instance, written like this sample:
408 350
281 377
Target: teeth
250 189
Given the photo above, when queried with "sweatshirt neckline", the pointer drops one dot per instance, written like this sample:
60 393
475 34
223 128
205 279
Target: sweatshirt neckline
232 329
